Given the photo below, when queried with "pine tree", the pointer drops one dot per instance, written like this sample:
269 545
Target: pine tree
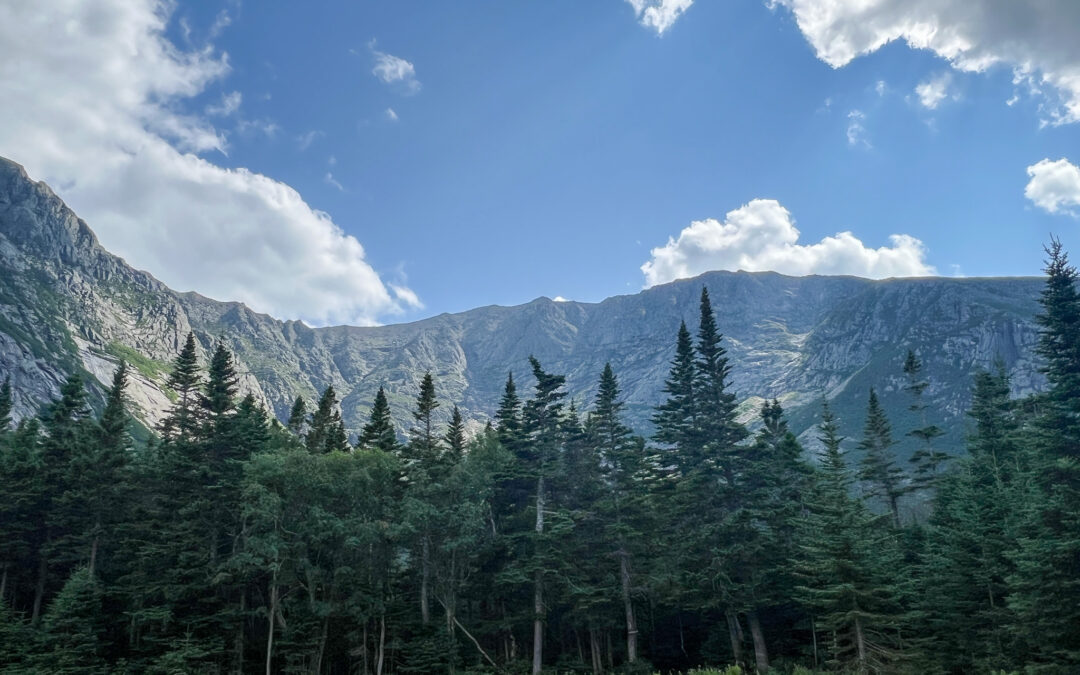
72 630
378 433
621 458
838 565
925 461
508 416
323 420
298 416
542 417
1047 577
877 467
676 417
424 443
183 420
717 430
455 437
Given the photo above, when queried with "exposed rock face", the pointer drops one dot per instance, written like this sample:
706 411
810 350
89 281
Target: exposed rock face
67 304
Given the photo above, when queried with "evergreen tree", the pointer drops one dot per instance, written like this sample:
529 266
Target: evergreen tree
455 437
676 417
183 420
842 584
424 443
321 434
298 416
1047 577
542 423
926 460
508 416
877 468
378 433
72 634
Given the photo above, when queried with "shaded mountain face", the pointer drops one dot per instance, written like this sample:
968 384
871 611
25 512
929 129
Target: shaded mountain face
68 305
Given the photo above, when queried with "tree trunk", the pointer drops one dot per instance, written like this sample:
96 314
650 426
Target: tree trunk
594 651
860 644
538 589
381 651
761 653
39 593
894 506
240 634
317 666
628 605
3 583
94 550
270 622
735 635
425 575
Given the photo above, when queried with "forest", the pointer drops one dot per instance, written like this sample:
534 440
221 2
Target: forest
553 540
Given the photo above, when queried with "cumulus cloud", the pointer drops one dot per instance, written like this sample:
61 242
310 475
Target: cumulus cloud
659 14
1038 39
762 236
94 100
1054 186
934 90
394 69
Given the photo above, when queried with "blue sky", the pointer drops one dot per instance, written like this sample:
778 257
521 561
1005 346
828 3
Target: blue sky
546 148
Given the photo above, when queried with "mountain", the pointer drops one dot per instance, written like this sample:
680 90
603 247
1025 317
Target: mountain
67 304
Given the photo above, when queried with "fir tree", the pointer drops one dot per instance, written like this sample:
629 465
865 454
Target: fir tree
378 433
877 468
298 416
838 564
183 420
926 460
323 420
676 417
455 437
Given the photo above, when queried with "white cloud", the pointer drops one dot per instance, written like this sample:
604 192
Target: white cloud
559 298
391 115
333 182
1038 39
762 236
391 69
856 132
304 140
93 102
230 103
880 87
659 14
407 296
1054 186
935 90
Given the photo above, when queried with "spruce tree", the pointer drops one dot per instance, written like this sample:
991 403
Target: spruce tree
298 416
926 460
183 420
508 416
455 436
841 581
877 467
676 417
424 443
378 433
1047 577
324 418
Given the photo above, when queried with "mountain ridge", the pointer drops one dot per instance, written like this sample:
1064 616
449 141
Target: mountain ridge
66 303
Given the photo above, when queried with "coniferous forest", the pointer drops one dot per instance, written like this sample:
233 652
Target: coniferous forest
556 539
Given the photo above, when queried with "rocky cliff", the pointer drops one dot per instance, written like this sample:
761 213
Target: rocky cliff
67 304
